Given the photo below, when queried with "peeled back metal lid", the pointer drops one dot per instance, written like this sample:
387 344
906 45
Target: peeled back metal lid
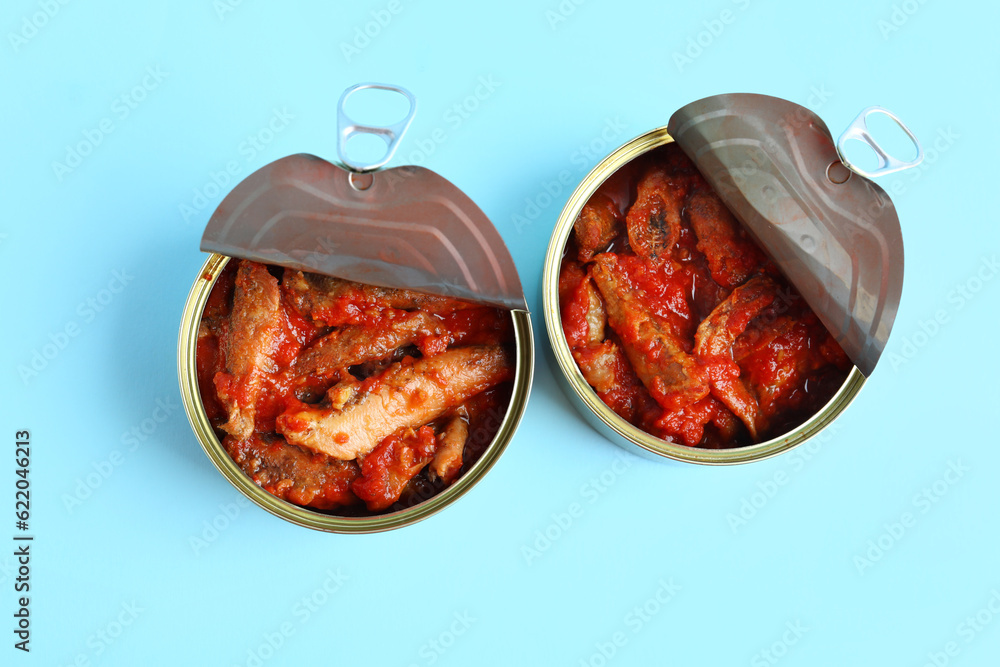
405 227
832 232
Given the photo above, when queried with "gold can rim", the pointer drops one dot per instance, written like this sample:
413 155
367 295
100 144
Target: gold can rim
608 422
191 398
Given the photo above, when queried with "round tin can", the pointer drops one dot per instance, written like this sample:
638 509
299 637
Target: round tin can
316 519
586 400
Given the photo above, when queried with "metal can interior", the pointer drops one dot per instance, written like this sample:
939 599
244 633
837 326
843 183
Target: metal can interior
586 400
315 519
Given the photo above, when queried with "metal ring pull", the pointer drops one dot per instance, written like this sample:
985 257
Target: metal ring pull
887 164
391 134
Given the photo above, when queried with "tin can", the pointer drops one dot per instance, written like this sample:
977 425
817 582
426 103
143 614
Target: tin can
315 519
586 400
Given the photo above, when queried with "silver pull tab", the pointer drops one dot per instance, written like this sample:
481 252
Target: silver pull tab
887 164
391 134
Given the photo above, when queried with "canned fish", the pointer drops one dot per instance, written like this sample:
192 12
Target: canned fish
502 426
596 411
368 356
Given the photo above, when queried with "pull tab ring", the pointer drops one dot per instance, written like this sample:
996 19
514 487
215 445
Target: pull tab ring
887 164
390 134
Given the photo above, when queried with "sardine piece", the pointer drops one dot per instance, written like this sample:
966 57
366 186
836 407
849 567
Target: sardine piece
335 302
300 477
597 225
673 376
654 220
600 365
732 256
759 339
607 370
253 333
602 362
409 394
352 345
596 316
714 343
447 461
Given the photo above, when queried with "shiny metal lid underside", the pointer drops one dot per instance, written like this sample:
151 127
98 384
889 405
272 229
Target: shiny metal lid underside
833 233
405 227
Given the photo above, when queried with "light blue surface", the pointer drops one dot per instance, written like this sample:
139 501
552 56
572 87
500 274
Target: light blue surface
459 588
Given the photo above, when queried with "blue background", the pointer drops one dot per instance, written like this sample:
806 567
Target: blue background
127 567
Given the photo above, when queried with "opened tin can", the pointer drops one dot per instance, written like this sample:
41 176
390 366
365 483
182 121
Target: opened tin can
400 228
770 161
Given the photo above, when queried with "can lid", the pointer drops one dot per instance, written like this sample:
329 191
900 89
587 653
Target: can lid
405 227
832 232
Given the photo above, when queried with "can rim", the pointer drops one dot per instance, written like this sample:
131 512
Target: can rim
191 398
620 431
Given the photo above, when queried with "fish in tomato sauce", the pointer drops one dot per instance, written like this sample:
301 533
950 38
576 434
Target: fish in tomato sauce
349 398
679 322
